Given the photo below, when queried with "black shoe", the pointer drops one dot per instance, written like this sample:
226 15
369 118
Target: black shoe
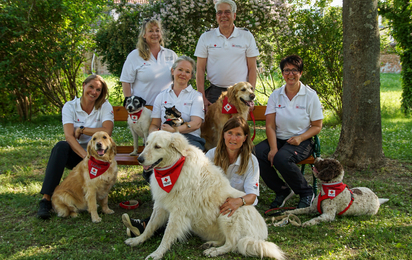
305 201
281 199
45 207
135 227
146 175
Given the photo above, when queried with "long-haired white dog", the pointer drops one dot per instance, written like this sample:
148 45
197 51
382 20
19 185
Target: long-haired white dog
336 198
191 203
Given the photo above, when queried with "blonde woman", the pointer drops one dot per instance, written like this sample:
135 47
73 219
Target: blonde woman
146 71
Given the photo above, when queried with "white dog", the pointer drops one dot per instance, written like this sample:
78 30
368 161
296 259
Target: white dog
139 120
190 202
336 197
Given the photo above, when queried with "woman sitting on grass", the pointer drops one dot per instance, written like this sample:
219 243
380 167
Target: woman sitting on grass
82 117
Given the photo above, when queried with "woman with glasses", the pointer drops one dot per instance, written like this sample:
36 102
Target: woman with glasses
146 71
293 117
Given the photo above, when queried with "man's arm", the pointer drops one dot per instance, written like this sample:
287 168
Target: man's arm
252 70
200 79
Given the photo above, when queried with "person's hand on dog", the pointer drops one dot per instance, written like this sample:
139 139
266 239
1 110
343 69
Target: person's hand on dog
168 128
77 133
206 104
295 140
230 206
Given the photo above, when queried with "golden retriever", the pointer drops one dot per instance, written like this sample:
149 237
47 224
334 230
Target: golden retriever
349 202
240 96
84 186
191 204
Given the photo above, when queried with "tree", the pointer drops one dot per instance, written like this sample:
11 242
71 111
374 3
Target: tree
42 47
399 13
360 143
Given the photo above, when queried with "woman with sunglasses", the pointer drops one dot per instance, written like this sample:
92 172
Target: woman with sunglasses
146 71
293 117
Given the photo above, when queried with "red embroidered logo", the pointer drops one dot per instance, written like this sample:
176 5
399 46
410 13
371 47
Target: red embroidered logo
165 102
331 193
279 105
215 45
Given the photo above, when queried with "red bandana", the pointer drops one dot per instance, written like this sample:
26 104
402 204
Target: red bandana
228 108
136 116
332 190
97 167
167 177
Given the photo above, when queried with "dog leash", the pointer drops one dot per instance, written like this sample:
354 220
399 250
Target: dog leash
284 220
254 124
277 211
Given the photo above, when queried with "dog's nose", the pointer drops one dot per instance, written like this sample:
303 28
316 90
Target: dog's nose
99 145
140 159
252 96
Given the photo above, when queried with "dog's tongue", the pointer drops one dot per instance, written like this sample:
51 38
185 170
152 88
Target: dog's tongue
100 152
145 167
249 103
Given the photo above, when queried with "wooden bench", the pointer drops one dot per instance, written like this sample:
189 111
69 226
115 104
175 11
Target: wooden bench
123 157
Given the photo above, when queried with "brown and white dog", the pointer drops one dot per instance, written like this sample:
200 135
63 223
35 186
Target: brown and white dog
235 101
188 190
336 198
90 181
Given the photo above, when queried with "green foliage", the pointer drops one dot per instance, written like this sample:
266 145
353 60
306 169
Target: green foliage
41 50
315 34
398 13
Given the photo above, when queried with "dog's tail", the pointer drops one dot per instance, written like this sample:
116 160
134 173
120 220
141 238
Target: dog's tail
249 246
382 200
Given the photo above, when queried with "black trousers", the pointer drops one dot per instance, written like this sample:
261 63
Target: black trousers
213 93
62 156
285 162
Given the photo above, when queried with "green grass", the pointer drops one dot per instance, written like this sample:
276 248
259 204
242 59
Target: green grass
24 152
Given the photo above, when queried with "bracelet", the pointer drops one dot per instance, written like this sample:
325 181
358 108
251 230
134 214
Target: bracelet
244 201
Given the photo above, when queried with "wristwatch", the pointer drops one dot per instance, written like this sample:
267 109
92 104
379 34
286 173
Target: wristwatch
81 129
244 201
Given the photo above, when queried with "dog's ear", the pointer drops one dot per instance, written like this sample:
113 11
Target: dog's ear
179 143
89 148
231 93
328 169
124 101
113 145
143 102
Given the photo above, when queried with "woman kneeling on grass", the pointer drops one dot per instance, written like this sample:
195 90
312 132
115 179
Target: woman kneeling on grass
234 155
82 117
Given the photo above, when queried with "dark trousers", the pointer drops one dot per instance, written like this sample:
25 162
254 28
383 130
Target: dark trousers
196 141
285 162
62 156
213 93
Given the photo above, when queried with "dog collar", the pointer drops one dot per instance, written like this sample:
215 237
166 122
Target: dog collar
228 108
167 177
97 167
136 116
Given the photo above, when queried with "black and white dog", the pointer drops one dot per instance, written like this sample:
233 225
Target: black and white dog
139 119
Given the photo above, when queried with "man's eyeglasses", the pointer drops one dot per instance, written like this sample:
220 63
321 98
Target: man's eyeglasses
226 12
287 72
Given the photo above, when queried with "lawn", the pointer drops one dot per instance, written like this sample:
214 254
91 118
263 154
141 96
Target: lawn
24 151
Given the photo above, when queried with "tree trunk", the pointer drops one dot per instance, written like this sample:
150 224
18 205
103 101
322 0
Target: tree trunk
360 143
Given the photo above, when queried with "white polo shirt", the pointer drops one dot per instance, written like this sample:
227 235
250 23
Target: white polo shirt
148 77
189 103
293 117
226 57
72 113
248 182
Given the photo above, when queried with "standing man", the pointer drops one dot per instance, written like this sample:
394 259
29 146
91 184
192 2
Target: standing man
227 53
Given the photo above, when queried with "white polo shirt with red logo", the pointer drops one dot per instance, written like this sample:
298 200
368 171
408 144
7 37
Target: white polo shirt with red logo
148 77
293 117
226 57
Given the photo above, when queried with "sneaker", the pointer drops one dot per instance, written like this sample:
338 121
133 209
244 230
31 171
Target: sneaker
45 208
134 226
305 201
281 199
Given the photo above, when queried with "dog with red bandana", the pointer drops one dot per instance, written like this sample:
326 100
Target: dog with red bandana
336 198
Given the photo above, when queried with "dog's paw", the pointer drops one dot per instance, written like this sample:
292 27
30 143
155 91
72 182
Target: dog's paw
309 223
133 241
108 211
134 153
74 214
211 252
206 245
96 219
154 256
